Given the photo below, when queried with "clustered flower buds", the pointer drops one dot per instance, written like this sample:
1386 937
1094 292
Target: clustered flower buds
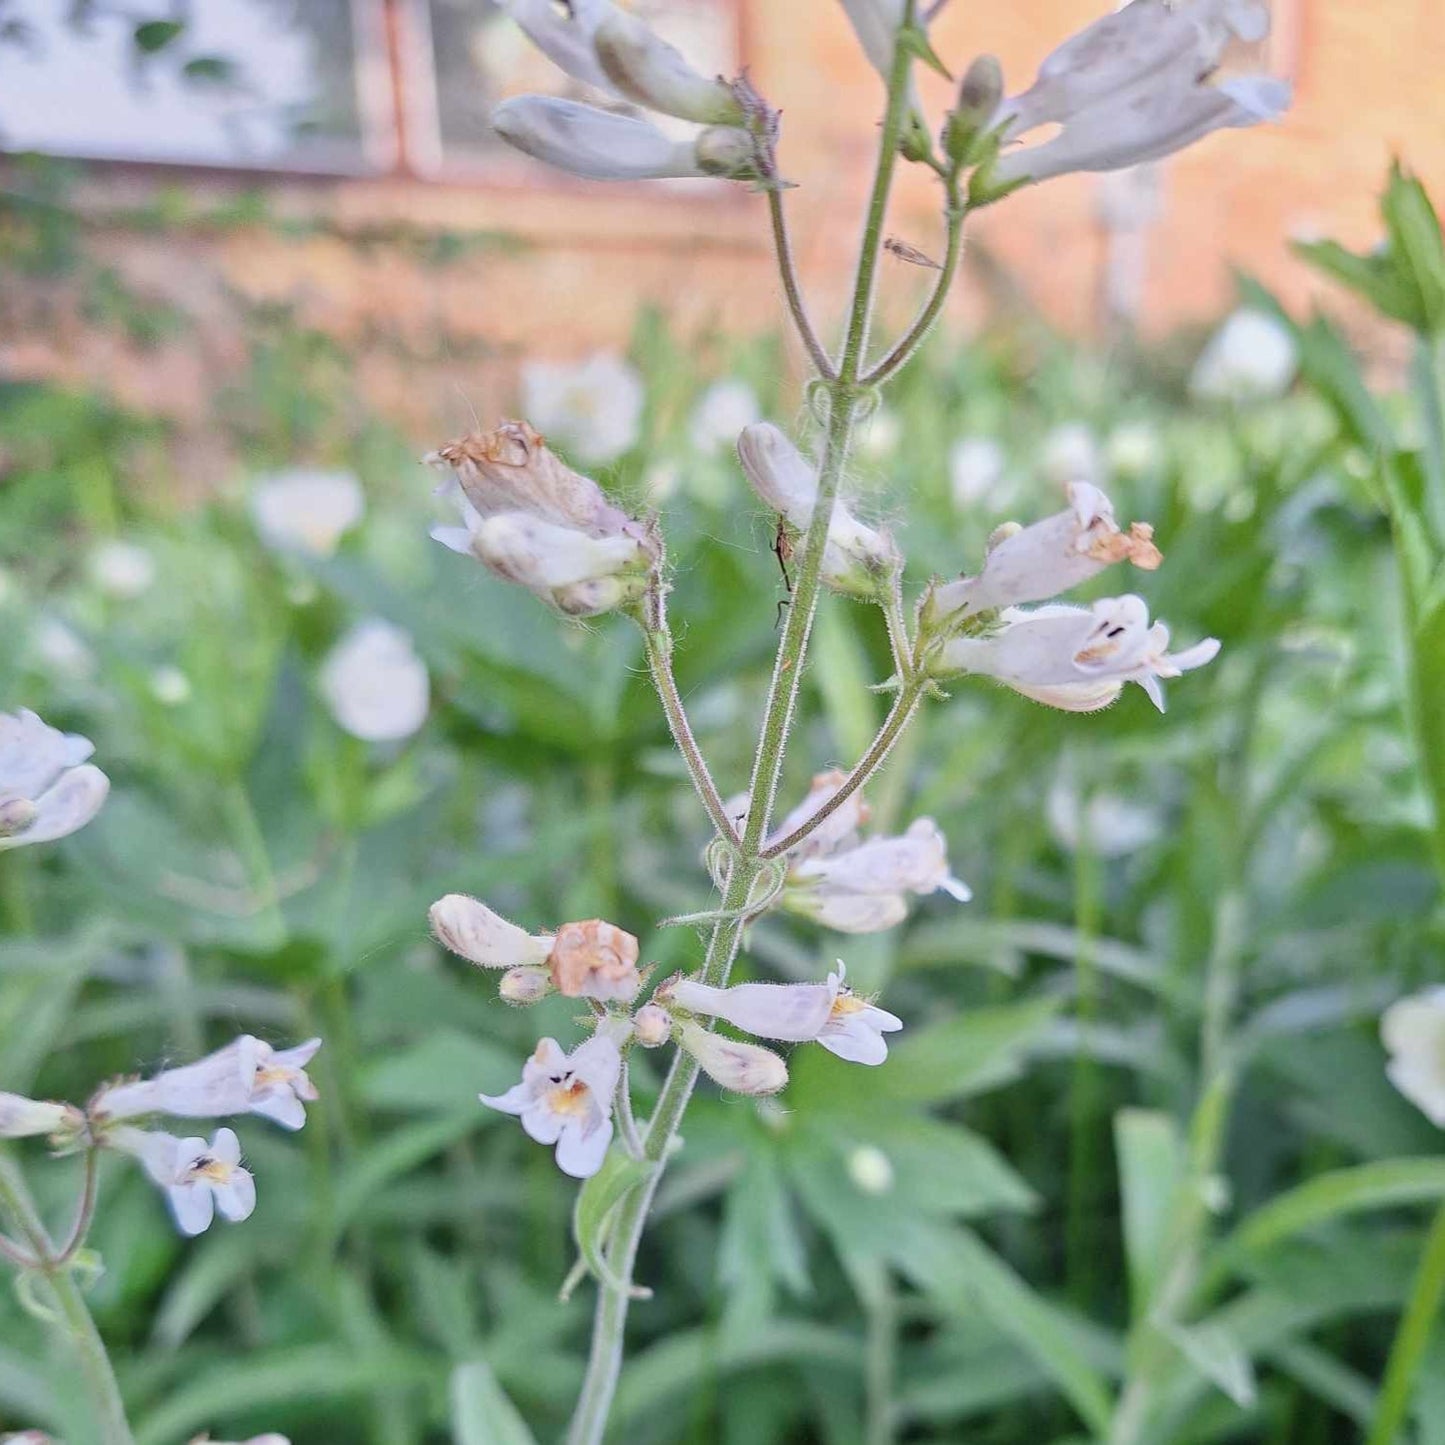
534 521
1074 658
47 788
617 55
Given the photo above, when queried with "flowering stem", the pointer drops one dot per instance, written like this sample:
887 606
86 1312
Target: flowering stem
70 1311
905 704
85 1211
604 1364
658 639
1411 1338
788 272
907 345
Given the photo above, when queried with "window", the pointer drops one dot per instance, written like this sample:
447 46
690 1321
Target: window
324 86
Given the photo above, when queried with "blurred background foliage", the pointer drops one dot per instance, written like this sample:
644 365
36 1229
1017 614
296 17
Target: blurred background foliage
1149 1042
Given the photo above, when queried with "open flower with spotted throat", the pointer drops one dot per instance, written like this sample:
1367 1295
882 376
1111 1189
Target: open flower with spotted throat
248 1076
828 1013
1076 658
566 1100
199 1179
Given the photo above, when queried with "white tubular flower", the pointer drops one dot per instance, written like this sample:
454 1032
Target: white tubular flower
474 932
645 68
581 576
1050 557
858 560
22 1118
1139 47
1413 1031
47 789
374 684
864 889
595 959
199 1179
566 1100
248 1076
603 146
1078 658
565 34
838 830
720 415
827 1013
1252 357
975 470
305 510
592 407
122 570
743 1068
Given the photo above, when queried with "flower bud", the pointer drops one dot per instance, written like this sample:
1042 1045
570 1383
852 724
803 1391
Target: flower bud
556 563
16 815
595 959
22 1118
472 930
724 150
979 94
652 1025
644 67
522 986
743 1068
595 144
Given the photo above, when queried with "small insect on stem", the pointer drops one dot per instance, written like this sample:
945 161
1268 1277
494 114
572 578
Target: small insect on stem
783 551
911 254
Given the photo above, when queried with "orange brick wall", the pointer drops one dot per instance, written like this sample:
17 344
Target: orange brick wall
1367 77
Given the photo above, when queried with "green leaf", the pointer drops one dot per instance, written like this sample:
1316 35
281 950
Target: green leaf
1215 1353
1382 1185
153 35
395 1155
1416 247
209 70
481 1412
1153 1162
443 1071
953 1266
596 1199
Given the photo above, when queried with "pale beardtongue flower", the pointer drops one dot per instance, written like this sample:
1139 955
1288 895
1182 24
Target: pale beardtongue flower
1135 86
47 788
305 510
721 413
976 468
1107 824
122 570
739 1067
248 1076
524 985
1077 658
1049 557
22 1118
858 560
592 407
1070 453
828 1013
199 1179
566 1100
1252 357
374 685
1413 1031
59 648
564 34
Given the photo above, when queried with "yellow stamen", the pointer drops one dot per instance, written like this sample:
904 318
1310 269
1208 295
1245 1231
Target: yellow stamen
573 1099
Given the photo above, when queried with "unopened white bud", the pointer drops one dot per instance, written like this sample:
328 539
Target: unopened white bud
743 1068
523 986
724 150
469 928
597 144
652 1025
548 559
647 69
22 1118
16 815
870 1170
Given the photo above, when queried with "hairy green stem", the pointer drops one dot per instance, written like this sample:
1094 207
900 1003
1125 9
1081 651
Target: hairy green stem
71 1313
589 1420
788 272
1411 1339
